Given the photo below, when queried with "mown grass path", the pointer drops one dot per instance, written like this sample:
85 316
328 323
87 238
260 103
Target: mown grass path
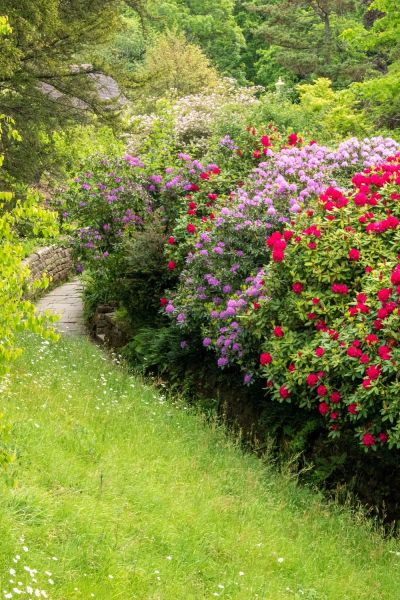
118 493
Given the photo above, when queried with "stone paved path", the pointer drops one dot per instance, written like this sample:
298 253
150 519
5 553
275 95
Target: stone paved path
66 301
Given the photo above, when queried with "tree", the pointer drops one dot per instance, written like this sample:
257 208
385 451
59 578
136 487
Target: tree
208 24
39 85
304 37
175 65
380 92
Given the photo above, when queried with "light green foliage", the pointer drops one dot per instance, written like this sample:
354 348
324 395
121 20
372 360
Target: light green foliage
209 24
380 94
137 497
175 65
335 114
74 145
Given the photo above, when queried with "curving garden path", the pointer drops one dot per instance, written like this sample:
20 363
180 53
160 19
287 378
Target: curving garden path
66 301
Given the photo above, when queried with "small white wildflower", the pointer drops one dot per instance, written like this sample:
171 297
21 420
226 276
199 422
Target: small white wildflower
241 573
221 587
280 559
54 558
111 577
25 548
51 582
169 557
12 572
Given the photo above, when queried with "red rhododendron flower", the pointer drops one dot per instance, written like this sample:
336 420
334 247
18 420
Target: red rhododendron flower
293 139
352 408
265 141
395 276
312 379
322 390
256 305
194 187
315 300
163 301
216 170
204 176
323 408
319 351
256 154
366 382
371 338
335 397
354 254
334 415
273 239
384 352
311 316
382 313
190 228
171 265
288 234
297 287
265 358
378 324
354 352
383 437
364 359
171 240
284 392
278 331
321 325
212 196
339 288
363 308
278 255
292 368
373 372
361 298
192 205
384 294
368 439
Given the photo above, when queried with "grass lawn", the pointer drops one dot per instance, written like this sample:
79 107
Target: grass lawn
117 493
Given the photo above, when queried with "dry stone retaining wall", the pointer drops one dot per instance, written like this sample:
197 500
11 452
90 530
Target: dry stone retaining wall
55 261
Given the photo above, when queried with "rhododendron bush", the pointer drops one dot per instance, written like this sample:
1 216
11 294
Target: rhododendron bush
326 321
285 273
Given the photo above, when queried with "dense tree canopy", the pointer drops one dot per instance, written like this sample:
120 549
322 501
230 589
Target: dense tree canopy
41 85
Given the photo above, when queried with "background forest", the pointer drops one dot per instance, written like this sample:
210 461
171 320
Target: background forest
328 67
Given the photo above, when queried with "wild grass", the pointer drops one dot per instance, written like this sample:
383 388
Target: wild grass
117 493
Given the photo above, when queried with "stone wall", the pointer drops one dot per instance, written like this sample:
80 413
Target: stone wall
55 261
